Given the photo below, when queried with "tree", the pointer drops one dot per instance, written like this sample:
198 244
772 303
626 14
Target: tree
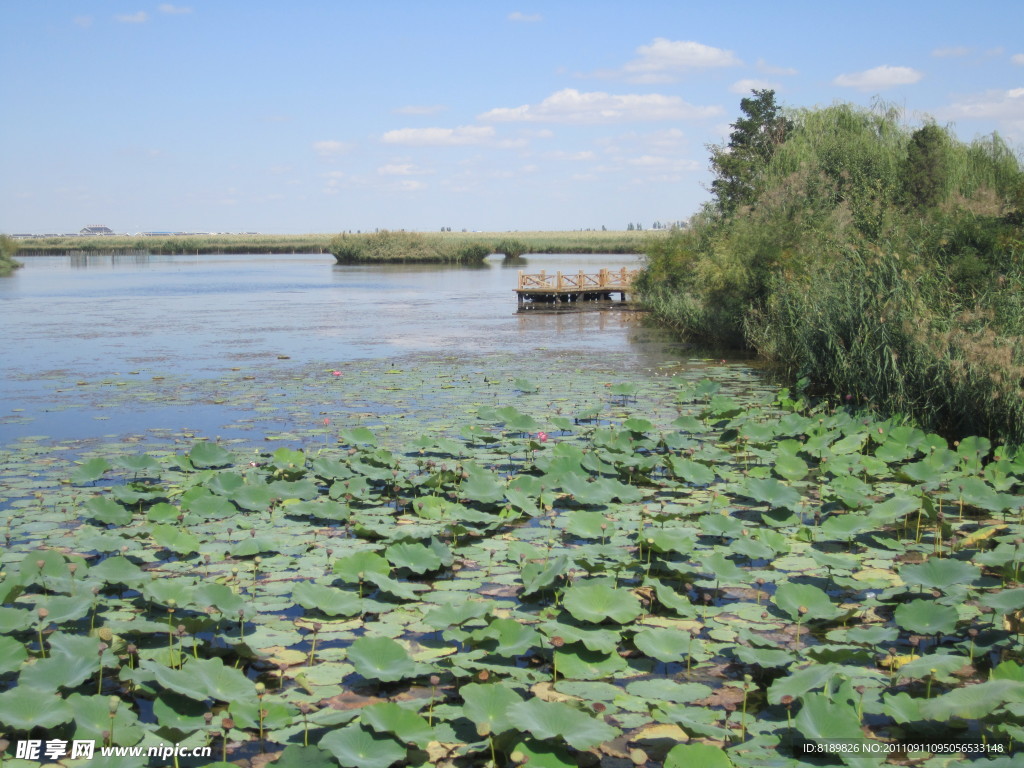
926 176
752 143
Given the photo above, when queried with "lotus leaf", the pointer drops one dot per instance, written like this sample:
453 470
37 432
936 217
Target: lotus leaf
488 706
24 708
455 614
588 524
805 600
825 717
974 701
772 492
538 576
598 601
356 746
381 658
328 600
358 436
926 617
603 640
202 679
800 681
697 756
935 665
72 660
175 539
354 567
696 721
210 455
254 498
295 756
547 720
668 690
408 726
90 471
414 556
92 717
108 511
939 573
577 662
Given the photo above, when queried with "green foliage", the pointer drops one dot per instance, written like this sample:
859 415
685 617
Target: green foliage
753 141
871 259
8 247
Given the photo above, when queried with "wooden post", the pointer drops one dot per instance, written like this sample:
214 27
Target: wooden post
520 279
602 277
558 283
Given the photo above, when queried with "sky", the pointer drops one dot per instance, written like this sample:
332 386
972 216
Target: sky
318 116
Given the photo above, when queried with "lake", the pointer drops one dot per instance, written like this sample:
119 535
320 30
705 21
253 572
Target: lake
101 345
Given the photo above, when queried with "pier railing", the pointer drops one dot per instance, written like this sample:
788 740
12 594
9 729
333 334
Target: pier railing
605 280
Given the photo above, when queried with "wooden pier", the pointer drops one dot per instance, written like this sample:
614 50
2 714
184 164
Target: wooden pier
569 287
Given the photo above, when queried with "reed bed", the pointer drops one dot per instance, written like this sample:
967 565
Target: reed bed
499 242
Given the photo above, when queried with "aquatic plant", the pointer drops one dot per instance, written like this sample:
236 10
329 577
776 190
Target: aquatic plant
704 576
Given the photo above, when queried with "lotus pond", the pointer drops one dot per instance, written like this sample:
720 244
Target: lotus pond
554 564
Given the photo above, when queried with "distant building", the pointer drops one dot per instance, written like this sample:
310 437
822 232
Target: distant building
96 230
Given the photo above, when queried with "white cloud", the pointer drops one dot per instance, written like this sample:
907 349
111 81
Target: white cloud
663 58
133 18
331 148
749 84
951 51
168 8
410 185
1018 58
991 105
440 137
879 78
768 69
402 169
83 21
414 109
527 17
572 106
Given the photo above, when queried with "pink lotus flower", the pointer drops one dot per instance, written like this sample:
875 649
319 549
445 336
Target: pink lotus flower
336 373
327 422
542 436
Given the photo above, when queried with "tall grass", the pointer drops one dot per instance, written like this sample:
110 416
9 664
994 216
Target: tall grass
8 247
868 270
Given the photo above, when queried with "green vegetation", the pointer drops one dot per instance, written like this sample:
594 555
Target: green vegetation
8 247
387 246
879 262
682 571
529 242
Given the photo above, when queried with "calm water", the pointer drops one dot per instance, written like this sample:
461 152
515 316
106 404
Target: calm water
71 321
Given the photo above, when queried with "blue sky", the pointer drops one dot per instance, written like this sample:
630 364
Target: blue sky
315 116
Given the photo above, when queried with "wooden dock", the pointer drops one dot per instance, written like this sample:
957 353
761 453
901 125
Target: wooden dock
569 287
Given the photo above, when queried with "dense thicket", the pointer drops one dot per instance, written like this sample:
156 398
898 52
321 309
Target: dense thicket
878 261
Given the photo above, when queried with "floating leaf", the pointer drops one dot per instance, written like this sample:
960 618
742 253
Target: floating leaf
356 746
381 658
926 617
598 601
549 720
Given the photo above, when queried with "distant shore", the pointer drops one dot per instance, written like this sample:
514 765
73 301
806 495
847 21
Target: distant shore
583 241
